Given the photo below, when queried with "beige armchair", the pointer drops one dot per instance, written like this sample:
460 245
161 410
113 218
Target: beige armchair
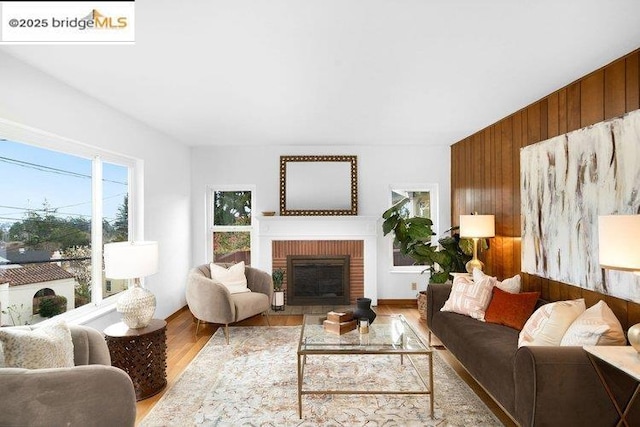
212 302
92 393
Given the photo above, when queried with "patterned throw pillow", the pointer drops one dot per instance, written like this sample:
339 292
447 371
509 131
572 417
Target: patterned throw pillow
232 278
468 297
511 309
596 326
549 323
48 346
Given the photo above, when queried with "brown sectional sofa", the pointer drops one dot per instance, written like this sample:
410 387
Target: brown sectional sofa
536 386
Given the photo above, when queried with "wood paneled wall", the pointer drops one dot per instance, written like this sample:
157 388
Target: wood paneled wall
485 168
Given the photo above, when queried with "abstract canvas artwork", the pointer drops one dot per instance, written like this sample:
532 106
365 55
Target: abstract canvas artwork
566 182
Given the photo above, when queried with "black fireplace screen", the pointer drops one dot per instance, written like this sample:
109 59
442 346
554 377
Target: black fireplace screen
318 280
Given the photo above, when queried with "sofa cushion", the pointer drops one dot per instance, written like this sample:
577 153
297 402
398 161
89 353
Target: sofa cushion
49 346
510 309
233 278
596 326
249 304
549 323
468 297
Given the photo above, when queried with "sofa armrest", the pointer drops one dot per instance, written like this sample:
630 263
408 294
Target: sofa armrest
437 295
208 300
89 346
259 281
92 395
559 386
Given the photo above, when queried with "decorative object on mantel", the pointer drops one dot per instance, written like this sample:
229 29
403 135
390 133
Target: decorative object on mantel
333 189
268 213
566 183
133 260
619 249
475 227
364 310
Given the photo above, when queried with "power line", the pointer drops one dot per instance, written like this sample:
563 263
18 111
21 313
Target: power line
54 211
50 169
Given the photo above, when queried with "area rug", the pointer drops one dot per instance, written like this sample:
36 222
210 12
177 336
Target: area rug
253 382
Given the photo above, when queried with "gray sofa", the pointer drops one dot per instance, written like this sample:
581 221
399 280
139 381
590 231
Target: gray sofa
92 393
536 386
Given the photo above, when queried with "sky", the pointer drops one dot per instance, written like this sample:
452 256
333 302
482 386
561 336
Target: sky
30 175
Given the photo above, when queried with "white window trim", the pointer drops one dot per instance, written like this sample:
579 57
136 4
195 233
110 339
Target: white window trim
435 208
16 132
211 228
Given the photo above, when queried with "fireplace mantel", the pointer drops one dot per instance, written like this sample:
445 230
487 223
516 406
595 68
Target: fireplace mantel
363 228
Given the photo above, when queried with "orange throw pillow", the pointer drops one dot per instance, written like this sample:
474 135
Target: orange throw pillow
511 310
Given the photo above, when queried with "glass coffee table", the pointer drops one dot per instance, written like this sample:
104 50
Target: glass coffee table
388 335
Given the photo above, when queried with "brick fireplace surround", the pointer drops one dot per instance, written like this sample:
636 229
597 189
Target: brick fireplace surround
353 248
340 235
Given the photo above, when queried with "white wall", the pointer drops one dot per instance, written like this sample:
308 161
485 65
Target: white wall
378 168
32 98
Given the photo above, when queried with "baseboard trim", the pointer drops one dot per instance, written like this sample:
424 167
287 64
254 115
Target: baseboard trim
412 302
177 313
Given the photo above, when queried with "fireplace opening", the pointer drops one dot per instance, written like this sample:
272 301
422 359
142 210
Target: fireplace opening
318 280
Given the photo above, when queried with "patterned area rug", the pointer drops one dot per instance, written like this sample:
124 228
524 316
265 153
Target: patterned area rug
253 382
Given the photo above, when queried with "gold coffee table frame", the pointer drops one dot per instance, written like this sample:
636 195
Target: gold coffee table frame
388 335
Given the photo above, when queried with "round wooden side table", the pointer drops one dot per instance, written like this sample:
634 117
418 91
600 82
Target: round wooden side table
141 353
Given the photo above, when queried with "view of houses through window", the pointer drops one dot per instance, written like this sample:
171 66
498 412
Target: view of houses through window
49 203
231 225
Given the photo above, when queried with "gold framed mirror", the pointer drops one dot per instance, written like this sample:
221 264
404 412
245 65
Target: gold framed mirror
318 185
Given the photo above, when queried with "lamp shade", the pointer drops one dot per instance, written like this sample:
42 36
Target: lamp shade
477 226
130 260
619 242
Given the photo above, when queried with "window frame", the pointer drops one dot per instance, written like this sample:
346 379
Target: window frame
18 133
434 202
211 227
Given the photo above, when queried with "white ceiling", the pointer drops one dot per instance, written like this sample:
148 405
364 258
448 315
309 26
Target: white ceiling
341 72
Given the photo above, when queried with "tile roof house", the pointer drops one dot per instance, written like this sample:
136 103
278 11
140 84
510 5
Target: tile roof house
33 273
19 285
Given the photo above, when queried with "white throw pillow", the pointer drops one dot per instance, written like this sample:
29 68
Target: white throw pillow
232 278
511 285
469 298
48 346
548 324
596 326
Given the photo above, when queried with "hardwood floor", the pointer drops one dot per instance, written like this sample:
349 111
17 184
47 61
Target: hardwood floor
183 346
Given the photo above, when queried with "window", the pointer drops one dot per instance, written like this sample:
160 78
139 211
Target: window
423 202
230 218
55 209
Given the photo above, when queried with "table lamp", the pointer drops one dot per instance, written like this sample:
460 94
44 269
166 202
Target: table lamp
476 227
619 249
133 260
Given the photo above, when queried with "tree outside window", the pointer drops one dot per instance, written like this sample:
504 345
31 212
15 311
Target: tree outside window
232 225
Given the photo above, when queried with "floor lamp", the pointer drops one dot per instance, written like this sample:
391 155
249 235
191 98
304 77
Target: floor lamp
133 260
476 227
619 249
